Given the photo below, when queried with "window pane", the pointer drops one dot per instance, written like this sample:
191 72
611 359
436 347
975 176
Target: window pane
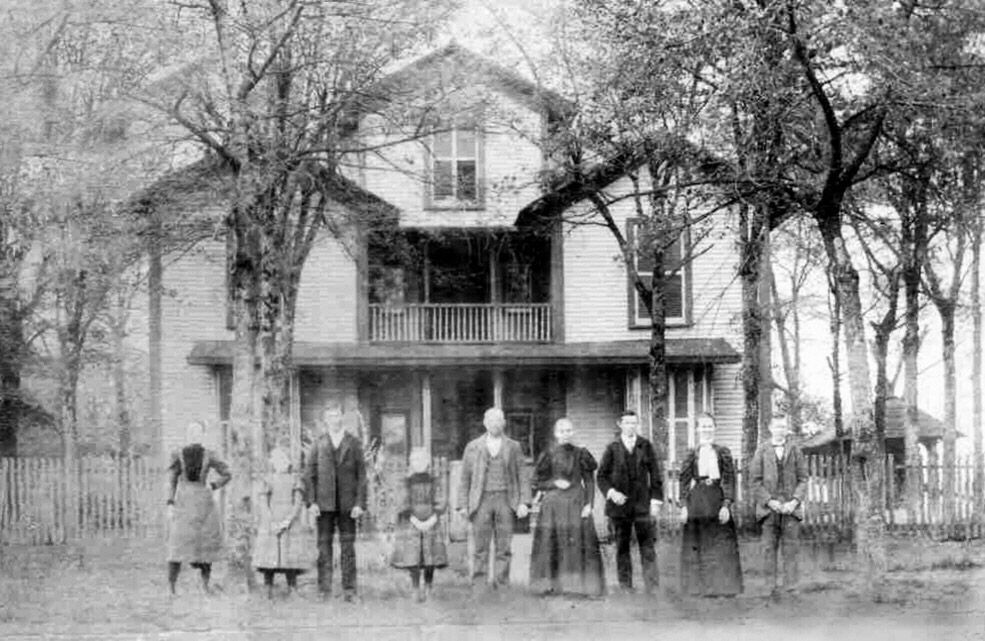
680 393
465 144
443 184
641 310
674 296
644 258
442 144
672 255
680 440
466 180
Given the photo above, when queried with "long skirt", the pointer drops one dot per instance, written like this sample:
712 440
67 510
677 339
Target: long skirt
194 533
565 555
710 557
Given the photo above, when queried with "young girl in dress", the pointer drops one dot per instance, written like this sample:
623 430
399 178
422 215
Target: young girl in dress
419 544
285 539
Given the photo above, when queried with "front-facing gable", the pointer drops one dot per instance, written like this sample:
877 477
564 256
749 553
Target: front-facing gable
457 143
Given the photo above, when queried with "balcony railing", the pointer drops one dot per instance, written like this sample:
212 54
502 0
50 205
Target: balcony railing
461 323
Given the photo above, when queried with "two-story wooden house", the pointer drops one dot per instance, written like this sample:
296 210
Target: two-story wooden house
463 305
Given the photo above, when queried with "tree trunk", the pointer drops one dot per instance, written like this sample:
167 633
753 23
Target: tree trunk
976 372
950 414
834 360
913 244
765 333
118 327
751 248
867 459
155 289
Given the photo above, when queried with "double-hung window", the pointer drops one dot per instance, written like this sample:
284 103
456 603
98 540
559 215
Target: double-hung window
675 278
456 167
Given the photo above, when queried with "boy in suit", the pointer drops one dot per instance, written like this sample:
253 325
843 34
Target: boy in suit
779 484
631 481
335 483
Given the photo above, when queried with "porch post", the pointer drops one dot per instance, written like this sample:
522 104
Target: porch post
426 412
498 388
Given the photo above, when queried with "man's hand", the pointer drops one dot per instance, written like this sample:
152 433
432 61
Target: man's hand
356 512
314 511
522 511
616 497
774 505
724 514
683 515
655 507
429 523
586 511
562 484
282 527
789 507
417 523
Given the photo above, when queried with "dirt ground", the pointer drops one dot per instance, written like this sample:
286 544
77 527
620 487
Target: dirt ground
117 590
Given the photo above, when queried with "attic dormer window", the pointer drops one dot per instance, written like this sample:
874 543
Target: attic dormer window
456 168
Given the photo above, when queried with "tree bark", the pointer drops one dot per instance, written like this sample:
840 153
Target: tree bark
913 246
867 459
752 229
950 413
978 490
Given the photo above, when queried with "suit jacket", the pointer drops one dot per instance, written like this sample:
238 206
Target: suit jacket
726 468
473 478
782 480
323 475
636 475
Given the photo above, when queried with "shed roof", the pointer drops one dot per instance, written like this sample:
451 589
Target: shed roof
679 351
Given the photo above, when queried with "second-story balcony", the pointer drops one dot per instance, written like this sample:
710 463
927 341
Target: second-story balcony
461 323
461 286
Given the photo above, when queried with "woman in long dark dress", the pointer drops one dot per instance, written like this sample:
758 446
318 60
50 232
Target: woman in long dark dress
710 550
194 532
565 556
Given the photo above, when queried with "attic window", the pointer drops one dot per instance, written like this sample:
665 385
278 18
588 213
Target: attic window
456 168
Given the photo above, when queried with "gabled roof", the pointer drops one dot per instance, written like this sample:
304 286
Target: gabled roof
479 70
575 186
208 181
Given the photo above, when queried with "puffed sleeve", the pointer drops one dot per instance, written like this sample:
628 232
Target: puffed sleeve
543 473
686 475
587 465
174 471
726 466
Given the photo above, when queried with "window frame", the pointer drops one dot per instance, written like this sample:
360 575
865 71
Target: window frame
430 158
635 321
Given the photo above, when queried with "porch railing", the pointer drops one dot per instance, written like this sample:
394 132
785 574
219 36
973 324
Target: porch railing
461 323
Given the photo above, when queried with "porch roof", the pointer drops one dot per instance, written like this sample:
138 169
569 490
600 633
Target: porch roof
680 351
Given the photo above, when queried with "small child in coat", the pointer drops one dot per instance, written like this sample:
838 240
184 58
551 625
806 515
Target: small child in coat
419 543
285 540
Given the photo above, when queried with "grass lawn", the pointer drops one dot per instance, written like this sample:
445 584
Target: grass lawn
119 587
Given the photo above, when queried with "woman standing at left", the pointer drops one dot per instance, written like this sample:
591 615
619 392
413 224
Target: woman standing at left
194 533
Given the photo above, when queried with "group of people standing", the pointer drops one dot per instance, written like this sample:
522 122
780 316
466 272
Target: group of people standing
299 514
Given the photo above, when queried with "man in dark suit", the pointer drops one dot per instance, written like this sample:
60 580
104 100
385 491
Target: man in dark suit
631 481
489 494
335 482
779 485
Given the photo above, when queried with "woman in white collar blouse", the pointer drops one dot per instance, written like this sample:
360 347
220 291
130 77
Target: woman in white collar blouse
710 549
